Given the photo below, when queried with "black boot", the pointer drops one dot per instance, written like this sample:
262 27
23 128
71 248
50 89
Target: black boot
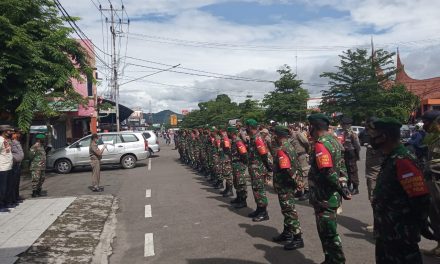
254 213
241 204
285 236
34 194
296 243
262 216
236 200
355 189
41 193
219 185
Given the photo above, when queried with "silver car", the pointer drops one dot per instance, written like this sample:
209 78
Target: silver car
124 148
153 143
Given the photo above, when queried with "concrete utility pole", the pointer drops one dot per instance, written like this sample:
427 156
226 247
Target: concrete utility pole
114 34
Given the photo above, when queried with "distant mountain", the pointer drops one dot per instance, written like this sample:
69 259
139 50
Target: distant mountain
162 117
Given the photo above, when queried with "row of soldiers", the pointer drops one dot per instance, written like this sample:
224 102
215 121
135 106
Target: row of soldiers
400 199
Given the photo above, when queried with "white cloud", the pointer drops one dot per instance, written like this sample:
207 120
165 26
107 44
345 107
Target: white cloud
398 21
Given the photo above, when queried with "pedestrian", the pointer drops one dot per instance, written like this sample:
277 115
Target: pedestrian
226 161
431 124
400 199
18 155
417 144
327 184
352 149
259 169
37 157
286 175
95 160
6 162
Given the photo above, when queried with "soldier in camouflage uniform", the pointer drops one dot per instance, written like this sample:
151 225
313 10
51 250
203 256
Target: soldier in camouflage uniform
327 184
239 156
400 199
287 173
226 161
302 147
259 169
217 166
351 154
37 157
431 124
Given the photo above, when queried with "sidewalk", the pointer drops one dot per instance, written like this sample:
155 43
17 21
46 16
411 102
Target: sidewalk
54 230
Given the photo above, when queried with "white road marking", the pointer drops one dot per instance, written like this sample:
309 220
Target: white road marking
148 193
149 245
149 164
147 211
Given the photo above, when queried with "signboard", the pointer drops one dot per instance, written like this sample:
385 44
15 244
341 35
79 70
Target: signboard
108 111
185 111
173 120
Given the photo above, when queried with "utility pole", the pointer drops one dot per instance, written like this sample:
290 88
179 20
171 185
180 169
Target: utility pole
115 34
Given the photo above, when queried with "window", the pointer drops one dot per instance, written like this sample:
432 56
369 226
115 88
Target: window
110 139
129 138
147 135
85 142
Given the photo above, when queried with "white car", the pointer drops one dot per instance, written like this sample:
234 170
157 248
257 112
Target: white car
153 143
124 148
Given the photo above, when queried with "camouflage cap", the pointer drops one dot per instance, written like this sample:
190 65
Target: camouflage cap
281 131
40 136
232 129
387 123
318 117
251 122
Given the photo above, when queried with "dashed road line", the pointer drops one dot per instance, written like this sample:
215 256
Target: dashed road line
149 245
149 164
148 193
147 211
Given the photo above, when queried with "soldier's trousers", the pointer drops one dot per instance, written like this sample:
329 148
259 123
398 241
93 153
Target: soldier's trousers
287 204
38 177
305 167
327 231
371 184
96 172
352 169
239 178
258 180
434 210
392 252
227 171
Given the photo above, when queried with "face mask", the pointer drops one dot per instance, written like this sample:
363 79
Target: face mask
375 142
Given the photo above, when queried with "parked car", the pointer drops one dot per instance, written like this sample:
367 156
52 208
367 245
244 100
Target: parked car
153 142
357 129
124 148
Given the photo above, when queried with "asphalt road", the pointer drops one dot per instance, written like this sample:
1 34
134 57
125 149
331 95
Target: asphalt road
169 214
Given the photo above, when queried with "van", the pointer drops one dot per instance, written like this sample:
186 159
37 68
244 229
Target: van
124 148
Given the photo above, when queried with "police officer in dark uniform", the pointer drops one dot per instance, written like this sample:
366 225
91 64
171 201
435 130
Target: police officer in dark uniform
351 154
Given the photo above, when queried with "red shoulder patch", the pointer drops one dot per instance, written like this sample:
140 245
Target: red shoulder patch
323 156
226 142
411 178
241 147
283 160
261 146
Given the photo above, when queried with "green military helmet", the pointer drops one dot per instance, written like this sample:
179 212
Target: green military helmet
251 122
318 117
281 131
387 123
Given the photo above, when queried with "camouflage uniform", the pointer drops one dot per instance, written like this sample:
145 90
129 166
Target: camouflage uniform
302 147
285 184
324 183
258 170
239 166
351 156
226 161
400 207
373 161
37 155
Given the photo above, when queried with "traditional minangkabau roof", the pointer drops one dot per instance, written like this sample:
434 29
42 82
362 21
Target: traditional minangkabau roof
424 89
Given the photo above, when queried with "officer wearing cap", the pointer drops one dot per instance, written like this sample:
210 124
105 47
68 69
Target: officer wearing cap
287 174
400 200
431 124
259 169
327 184
352 148
37 156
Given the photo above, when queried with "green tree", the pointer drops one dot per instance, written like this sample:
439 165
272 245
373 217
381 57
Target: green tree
288 103
363 86
38 60
251 109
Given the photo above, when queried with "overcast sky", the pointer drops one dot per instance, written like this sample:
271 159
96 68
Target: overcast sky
252 39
